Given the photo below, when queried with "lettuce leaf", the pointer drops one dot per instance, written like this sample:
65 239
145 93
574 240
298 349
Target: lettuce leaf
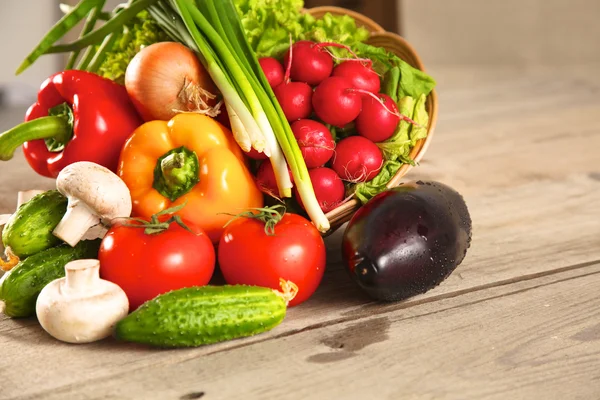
140 32
396 150
365 191
269 24
413 82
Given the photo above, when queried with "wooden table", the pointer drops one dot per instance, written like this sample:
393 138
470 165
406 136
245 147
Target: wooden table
519 319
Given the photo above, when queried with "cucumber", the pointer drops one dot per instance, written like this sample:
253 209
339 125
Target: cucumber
202 315
29 230
21 287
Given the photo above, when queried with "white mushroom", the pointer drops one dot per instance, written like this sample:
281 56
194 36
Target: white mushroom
81 307
95 194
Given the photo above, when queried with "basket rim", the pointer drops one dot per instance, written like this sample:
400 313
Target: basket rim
343 213
341 10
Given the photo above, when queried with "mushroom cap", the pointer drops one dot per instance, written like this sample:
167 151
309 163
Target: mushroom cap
96 186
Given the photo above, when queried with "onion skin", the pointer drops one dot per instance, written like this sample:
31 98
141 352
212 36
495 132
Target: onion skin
162 79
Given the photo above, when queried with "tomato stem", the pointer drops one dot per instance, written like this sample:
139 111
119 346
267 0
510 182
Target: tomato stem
270 216
155 225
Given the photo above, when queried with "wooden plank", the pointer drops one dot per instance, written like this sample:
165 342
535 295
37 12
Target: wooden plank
519 228
537 338
511 241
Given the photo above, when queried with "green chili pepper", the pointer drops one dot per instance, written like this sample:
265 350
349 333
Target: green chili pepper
90 23
64 25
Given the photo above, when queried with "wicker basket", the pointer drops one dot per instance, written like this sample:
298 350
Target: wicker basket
396 44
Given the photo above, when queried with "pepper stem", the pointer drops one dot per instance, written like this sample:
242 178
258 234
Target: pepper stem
54 127
176 173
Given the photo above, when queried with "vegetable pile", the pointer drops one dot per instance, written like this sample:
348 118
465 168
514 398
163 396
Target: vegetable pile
187 136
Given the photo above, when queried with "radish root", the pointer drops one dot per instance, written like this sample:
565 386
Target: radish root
401 116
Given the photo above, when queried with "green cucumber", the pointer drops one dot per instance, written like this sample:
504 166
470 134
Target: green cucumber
20 289
202 315
29 230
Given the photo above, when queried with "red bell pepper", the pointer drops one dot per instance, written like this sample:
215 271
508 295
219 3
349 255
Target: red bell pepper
79 116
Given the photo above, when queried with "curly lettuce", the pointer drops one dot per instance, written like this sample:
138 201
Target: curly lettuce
269 24
140 32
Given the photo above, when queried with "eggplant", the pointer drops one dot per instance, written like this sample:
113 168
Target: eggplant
407 240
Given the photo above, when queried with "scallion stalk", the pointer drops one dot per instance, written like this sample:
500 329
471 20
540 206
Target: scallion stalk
213 29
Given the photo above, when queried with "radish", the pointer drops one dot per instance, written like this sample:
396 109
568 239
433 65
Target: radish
295 99
265 179
378 119
329 188
357 159
313 63
336 102
315 141
360 74
273 70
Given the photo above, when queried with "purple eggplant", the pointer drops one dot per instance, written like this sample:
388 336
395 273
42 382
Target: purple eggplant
407 240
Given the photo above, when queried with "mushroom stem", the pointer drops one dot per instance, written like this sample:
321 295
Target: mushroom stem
78 219
81 275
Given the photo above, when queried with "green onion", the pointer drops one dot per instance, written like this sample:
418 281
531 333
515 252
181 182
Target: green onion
87 28
64 25
217 35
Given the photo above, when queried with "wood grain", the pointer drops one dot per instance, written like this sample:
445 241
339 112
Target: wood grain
522 148
535 339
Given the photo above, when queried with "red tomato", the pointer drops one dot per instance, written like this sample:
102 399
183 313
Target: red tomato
296 252
146 265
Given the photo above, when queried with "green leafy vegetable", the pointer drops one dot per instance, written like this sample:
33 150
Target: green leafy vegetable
269 23
399 145
365 191
413 82
397 149
140 32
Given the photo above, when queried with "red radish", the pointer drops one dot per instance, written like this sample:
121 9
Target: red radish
265 179
273 70
315 141
329 188
336 102
377 121
255 155
313 63
295 99
360 74
357 159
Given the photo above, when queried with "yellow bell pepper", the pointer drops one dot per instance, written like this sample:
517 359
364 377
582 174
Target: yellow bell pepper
190 159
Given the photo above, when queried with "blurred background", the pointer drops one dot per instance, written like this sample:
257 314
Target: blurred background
446 33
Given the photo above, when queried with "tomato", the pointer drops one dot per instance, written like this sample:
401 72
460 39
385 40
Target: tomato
146 265
296 252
